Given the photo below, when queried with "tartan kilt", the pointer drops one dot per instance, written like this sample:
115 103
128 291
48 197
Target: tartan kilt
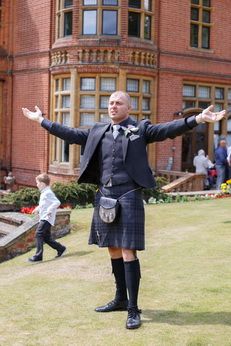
127 231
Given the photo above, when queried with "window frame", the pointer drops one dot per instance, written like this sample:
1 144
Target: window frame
200 25
99 7
143 12
58 114
140 95
61 12
98 112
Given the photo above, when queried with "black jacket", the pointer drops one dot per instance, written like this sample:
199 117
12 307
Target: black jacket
133 146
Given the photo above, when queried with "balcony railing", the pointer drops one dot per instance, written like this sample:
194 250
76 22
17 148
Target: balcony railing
182 181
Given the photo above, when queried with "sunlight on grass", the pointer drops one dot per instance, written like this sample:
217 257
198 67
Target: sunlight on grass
185 288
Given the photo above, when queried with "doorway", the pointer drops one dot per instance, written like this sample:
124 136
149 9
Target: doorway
192 141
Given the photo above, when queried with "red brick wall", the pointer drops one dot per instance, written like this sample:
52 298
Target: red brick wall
30 88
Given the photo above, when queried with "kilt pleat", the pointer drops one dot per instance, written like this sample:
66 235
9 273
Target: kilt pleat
127 231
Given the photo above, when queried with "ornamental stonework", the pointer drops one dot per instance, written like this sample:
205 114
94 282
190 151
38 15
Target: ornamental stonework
59 58
142 58
95 56
104 56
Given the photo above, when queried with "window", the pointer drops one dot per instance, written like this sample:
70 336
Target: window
100 17
94 96
140 19
219 93
62 105
189 90
204 92
64 18
196 95
140 92
202 96
200 24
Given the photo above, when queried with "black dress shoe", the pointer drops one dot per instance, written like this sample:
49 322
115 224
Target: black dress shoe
61 252
133 320
114 305
35 259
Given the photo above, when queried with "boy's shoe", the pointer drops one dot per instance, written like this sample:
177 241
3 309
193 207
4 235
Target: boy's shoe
61 252
35 259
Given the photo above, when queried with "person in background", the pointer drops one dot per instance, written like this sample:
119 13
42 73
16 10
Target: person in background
202 165
221 163
47 208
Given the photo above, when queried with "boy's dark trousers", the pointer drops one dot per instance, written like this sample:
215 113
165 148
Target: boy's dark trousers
43 235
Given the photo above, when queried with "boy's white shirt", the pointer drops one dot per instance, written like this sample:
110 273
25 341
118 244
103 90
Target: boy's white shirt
48 204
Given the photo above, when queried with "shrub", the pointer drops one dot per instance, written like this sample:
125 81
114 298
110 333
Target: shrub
156 192
22 198
74 193
68 193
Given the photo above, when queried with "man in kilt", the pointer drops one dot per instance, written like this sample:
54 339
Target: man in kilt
115 158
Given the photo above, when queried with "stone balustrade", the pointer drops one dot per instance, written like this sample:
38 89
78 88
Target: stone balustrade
104 56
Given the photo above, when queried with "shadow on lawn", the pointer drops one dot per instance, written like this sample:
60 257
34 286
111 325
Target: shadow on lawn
77 253
186 318
71 254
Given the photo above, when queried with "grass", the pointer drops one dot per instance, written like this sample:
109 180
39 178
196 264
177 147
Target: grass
185 291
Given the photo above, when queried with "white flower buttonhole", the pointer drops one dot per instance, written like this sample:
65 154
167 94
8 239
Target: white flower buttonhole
129 130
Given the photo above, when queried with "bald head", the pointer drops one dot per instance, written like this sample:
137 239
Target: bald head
119 106
222 143
123 95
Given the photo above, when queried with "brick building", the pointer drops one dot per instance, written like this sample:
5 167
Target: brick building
67 56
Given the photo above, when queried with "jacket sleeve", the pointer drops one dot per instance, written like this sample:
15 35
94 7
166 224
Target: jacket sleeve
172 129
69 134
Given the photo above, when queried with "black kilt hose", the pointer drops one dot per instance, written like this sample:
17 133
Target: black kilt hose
127 231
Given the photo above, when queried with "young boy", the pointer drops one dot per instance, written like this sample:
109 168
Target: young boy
48 204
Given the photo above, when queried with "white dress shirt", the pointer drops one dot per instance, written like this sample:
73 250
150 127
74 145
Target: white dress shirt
48 204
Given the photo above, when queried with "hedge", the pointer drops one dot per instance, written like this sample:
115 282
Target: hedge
72 193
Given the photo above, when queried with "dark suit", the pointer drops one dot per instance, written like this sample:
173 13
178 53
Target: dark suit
133 150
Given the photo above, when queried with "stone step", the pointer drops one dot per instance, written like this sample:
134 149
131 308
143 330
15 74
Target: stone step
6 228
10 220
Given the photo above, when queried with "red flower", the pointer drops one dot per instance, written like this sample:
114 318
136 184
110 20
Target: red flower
27 210
65 205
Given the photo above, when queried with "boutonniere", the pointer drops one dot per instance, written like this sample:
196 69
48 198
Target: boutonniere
130 130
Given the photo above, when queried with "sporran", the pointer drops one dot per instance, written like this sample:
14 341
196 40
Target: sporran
108 209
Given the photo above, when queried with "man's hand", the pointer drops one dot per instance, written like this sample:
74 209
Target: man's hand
35 116
210 117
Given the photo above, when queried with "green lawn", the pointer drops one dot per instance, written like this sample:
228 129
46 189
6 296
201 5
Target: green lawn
185 291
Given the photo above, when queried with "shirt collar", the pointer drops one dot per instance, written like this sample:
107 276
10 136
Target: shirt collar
45 189
126 122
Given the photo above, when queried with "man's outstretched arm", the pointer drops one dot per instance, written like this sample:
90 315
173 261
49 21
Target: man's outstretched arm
69 134
171 129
